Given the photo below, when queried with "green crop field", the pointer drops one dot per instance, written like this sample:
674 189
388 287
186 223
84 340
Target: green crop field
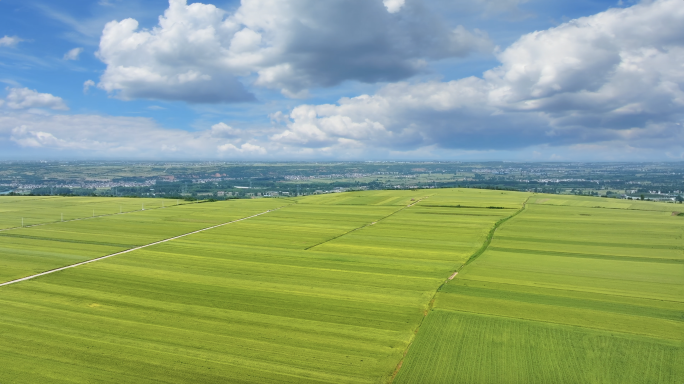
25 251
337 288
593 202
326 289
572 290
463 347
35 210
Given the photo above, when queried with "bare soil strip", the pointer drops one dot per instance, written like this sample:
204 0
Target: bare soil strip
131 250
453 276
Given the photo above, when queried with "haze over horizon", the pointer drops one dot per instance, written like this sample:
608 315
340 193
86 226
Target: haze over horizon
280 80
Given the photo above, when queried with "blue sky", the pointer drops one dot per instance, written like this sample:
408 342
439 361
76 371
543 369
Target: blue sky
342 79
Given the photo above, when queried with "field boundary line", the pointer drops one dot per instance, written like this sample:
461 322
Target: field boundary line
92 217
490 236
597 207
431 304
569 325
132 249
593 292
369 224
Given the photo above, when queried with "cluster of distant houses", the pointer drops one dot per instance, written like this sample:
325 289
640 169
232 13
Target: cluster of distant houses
670 199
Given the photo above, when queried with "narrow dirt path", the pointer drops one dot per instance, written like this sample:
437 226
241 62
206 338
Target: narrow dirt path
369 224
132 249
474 256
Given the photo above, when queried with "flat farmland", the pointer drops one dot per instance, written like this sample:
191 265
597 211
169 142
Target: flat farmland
594 202
397 198
318 291
465 347
35 210
464 198
26 251
566 292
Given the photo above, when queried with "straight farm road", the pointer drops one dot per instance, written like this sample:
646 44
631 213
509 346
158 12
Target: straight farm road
131 250
253 302
31 251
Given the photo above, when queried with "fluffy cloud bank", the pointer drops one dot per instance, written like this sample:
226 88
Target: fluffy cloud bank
29 123
198 51
607 78
608 86
74 136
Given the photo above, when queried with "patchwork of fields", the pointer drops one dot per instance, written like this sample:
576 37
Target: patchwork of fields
572 290
26 251
37 210
593 202
326 289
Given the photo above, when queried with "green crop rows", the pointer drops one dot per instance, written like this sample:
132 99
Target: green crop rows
336 288
330 289
567 292
462 347
38 210
26 251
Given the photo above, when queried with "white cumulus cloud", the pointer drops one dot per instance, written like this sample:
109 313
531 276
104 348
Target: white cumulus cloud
24 98
198 51
607 78
605 84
